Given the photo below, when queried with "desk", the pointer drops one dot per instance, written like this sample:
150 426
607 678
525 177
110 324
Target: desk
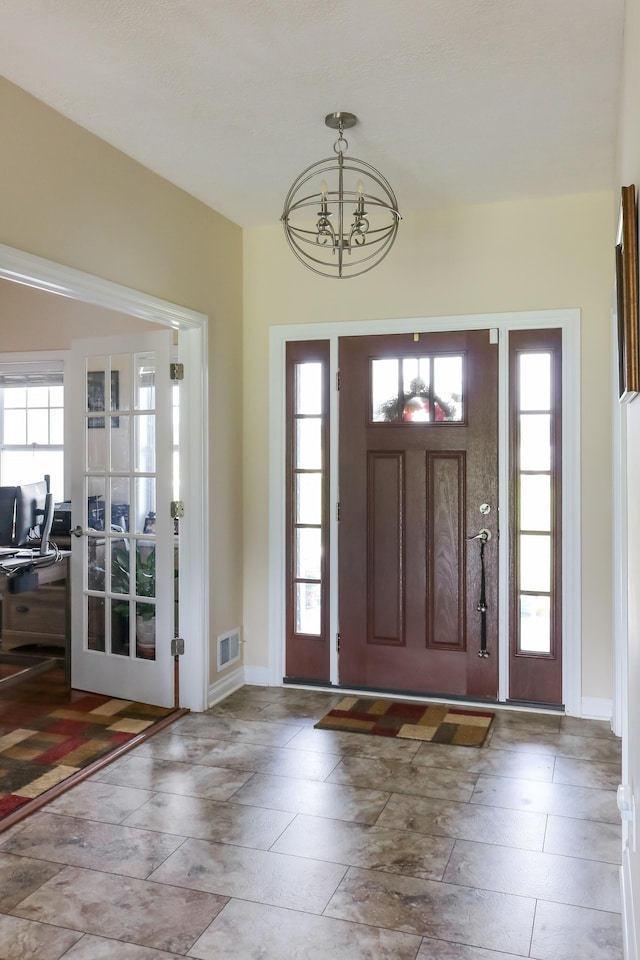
41 616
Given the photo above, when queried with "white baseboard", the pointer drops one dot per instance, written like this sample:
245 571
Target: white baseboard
225 686
597 708
628 916
258 676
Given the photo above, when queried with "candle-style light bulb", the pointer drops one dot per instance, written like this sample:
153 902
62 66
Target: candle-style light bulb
324 209
323 206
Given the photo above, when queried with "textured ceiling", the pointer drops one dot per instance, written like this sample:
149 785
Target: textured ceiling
459 101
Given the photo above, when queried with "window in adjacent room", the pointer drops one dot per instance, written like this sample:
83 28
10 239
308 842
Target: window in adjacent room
32 423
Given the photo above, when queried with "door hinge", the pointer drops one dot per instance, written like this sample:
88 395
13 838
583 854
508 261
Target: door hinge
177 509
337 379
177 646
338 510
176 371
337 643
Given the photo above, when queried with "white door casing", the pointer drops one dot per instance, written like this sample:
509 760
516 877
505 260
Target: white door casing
567 320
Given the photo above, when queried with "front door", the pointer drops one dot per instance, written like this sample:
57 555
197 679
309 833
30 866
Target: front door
122 558
418 479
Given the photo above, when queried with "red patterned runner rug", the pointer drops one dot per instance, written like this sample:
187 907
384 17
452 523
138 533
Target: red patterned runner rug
43 746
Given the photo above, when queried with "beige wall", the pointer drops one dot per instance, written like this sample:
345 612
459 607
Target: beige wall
70 197
32 319
629 172
541 254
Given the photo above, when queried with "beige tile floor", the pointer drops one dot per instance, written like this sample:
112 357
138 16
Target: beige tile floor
246 834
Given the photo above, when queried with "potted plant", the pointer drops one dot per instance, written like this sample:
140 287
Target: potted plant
145 586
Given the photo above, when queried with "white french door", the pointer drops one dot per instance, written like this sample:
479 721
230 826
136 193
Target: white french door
122 578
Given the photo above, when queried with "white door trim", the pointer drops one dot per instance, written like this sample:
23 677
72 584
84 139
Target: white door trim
569 322
21 267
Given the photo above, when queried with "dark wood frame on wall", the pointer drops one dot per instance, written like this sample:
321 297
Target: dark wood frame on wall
627 296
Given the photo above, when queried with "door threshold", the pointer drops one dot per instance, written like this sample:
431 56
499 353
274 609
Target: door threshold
531 704
519 706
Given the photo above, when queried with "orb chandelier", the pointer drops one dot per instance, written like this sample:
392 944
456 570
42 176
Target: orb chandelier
356 211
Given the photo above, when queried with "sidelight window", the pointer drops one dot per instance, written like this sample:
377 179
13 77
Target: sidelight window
307 469
536 476
307 509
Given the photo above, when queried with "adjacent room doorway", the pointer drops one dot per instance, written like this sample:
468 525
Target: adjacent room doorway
24 268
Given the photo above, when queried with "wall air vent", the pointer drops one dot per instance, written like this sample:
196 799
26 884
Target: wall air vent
228 648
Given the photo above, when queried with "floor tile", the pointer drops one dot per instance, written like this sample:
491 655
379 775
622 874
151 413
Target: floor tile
438 950
241 756
245 731
527 873
296 711
374 848
584 838
317 799
590 748
524 741
20 876
464 821
439 910
123 908
574 933
538 723
172 776
211 820
587 728
271 878
240 710
93 800
557 798
353 744
99 948
587 773
529 722
500 763
398 777
7 832
253 930
83 843
26 940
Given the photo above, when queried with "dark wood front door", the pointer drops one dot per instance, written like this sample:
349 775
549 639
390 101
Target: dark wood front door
418 460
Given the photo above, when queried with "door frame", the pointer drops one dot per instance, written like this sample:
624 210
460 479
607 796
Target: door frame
568 320
19 266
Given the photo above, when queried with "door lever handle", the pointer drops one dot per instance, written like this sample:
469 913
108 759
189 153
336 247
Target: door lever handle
484 535
78 531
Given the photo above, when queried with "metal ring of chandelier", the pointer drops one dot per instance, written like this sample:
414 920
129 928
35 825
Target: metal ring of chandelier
356 212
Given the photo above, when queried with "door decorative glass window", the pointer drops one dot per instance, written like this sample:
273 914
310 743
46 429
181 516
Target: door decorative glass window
417 389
